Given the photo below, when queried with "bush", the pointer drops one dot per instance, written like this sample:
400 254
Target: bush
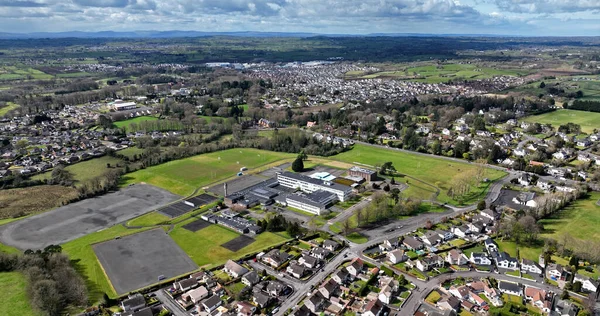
298 165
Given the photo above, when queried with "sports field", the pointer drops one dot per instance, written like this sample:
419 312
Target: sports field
14 298
186 175
587 120
137 120
435 172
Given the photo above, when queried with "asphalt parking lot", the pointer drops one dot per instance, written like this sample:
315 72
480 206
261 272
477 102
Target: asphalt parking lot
137 260
84 217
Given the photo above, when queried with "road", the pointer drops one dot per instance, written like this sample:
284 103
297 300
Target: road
175 308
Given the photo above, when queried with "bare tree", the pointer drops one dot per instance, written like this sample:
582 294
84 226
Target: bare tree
346 226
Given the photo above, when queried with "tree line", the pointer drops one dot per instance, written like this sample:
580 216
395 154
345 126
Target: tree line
52 282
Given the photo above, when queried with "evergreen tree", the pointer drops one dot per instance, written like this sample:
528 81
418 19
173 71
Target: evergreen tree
298 165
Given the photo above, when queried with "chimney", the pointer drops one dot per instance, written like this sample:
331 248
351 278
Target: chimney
225 188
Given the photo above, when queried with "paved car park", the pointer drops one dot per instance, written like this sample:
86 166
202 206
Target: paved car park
84 217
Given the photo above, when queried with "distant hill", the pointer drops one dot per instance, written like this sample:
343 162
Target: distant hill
176 33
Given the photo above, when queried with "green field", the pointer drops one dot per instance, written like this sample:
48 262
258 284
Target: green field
22 73
15 300
9 107
149 219
126 123
581 220
130 151
587 120
204 246
85 170
186 175
434 171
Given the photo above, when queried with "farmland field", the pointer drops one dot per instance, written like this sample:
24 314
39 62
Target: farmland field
31 200
9 107
434 171
438 74
85 170
15 299
587 120
125 123
185 175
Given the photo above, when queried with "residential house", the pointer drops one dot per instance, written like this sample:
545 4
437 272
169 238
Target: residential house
275 258
341 276
565 308
133 302
492 215
389 244
510 288
411 243
587 284
557 272
429 262
250 278
490 245
505 261
461 231
212 303
444 234
529 266
296 270
329 288
356 267
245 309
320 253
196 295
234 269
388 288
315 302
462 292
476 299
480 258
539 298
261 299
456 257
330 245
448 303
308 261
302 311
374 308
185 284
396 256
276 288
431 238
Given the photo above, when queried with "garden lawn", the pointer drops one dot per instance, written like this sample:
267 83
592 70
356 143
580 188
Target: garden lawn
126 123
204 246
433 297
15 300
86 170
435 172
357 238
587 120
185 175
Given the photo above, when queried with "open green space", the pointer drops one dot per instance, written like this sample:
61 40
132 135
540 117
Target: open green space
15 300
204 246
126 123
581 220
587 120
435 172
19 202
9 107
186 175
357 238
86 170
149 219
130 151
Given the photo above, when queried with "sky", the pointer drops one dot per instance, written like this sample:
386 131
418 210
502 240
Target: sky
498 17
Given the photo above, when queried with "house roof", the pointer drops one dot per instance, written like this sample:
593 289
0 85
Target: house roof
330 243
509 286
187 282
252 277
330 285
261 298
133 301
235 268
296 269
198 293
412 242
212 301
398 253
374 306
